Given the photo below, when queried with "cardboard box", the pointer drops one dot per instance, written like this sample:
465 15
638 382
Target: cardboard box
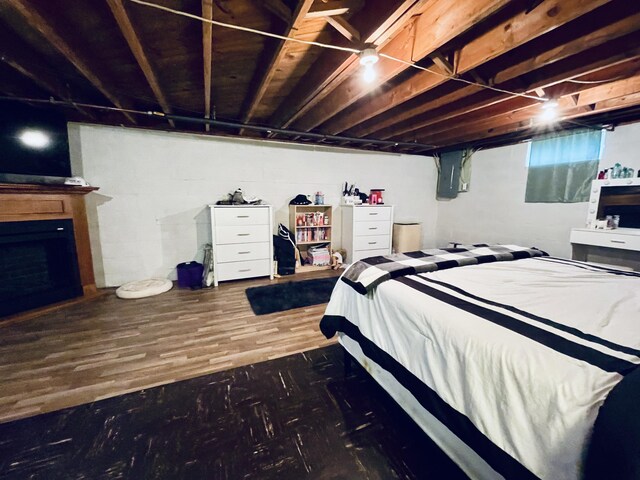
407 237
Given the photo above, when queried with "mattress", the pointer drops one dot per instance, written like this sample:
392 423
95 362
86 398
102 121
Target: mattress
514 358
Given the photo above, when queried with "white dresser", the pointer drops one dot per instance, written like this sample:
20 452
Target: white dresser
366 230
242 241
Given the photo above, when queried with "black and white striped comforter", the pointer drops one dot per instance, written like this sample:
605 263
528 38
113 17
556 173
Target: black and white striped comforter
521 354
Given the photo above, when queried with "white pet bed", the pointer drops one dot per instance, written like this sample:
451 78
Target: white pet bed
144 288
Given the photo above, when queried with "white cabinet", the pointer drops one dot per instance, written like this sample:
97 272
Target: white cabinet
242 243
366 230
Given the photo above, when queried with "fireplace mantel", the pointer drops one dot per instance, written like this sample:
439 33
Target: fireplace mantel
24 202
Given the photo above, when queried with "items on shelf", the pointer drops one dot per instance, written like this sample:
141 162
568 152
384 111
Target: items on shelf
239 198
617 171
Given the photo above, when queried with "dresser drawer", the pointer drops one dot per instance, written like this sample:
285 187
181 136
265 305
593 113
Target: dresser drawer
250 268
242 252
372 214
606 238
372 228
242 234
360 254
241 216
373 242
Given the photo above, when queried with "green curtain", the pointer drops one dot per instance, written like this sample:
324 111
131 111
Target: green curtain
561 167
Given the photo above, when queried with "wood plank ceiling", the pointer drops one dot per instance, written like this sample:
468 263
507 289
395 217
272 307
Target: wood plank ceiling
485 67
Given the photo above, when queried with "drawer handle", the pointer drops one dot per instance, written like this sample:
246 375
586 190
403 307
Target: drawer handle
618 241
373 228
372 243
243 253
243 234
244 270
242 216
373 213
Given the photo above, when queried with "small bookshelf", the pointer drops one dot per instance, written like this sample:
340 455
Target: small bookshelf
311 225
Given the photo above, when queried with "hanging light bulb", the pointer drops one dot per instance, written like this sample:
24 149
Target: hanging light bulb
549 111
36 139
369 74
368 58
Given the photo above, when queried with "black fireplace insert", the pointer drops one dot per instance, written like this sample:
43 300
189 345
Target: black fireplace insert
38 264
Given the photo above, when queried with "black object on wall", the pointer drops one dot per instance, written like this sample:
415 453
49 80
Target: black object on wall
449 175
34 145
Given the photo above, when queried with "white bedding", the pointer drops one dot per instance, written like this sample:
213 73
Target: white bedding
536 403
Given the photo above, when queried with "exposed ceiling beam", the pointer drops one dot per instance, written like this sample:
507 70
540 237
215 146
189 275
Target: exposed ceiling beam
602 65
267 74
39 23
130 35
595 36
344 28
207 54
423 82
279 9
452 20
441 61
332 68
30 66
600 93
354 87
334 8
477 108
515 121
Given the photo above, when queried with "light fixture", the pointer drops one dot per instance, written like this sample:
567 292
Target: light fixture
549 111
368 58
35 139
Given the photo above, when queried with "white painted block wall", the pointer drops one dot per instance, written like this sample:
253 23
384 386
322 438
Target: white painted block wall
493 210
150 212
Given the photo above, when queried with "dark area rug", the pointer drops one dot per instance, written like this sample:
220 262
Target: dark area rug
285 296
297 417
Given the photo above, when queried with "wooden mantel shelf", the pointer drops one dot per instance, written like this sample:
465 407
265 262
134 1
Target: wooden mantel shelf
44 189
29 202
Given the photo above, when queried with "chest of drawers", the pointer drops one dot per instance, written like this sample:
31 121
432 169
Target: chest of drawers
366 230
241 240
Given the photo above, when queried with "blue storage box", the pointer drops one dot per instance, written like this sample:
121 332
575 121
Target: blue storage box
190 274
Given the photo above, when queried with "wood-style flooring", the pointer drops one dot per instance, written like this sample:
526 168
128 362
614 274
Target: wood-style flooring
107 346
296 417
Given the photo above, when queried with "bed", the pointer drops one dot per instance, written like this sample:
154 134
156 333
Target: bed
517 364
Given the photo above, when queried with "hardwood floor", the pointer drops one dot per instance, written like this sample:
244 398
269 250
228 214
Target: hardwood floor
107 346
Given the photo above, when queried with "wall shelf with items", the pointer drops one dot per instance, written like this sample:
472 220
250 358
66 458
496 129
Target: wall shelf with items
311 226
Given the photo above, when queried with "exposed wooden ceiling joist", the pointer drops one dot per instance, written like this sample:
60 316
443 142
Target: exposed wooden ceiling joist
478 102
129 33
39 23
343 27
426 81
452 20
547 48
280 51
333 8
332 68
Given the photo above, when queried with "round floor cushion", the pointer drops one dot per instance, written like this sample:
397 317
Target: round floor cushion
144 288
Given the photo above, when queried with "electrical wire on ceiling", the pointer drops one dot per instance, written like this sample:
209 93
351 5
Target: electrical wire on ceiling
332 47
589 82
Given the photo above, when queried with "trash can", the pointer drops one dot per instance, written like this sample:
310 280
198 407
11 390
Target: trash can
190 275
407 237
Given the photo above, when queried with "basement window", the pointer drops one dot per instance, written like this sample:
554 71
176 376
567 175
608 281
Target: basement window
562 166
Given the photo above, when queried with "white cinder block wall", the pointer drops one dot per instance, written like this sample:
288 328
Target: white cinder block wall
493 210
150 212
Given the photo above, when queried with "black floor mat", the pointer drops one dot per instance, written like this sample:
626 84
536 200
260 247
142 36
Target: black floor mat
285 296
